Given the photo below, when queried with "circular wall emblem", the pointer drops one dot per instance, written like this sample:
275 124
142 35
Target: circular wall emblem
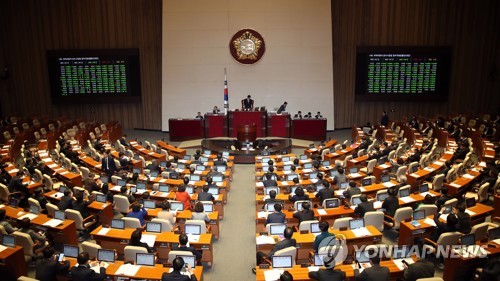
247 46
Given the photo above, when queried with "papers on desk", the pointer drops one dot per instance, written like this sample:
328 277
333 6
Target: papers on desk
219 184
361 232
363 266
377 204
116 188
287 172
407 199
127 269
2 248
216 196
17 170
51 166
423 194
339 192
355 175
313 149
482 164
321 212
399 262
28 215
440 163
53 223
259 184
314 180
307 170
198 172
64 173
344 151
430 221
2 206
273 274
163 180
182 272
264 239
384 166
163 194
472 251
313 268
497 241
191 238
103 231
467 176
389 184
430 169
284 183
262 215
57 195
471 213
47 160
149 239
415 175
443 217
455 185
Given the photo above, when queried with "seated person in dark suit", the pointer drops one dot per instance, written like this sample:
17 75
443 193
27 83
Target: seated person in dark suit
364 206
38 196
66 201
299 195
323 226
153 166
329 273
183 240
444 197
272 199
288 241
81 205
125 192
353 189
40 240
306 214
176 274
205 195
422 268
220 161
269 181
83 272
441 227
49 267
464 221
282 108
391 203
277 216
5 223
135 240
340 177
375 272
325 193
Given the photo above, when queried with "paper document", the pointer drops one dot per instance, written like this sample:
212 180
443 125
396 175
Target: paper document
103 231
470 212
264 239
467 176
361 232
284 183
430 221
455 185
149 239
313 268
321 212
399 262
216 196
377 204
388 184
53 223
116 188
423 194
57 195
52 166
384 166
430 169
407 199
355 175
29 216
2 248
127 269
259 184
261 215
273 274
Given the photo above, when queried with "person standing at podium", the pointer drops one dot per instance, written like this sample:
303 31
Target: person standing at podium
247 104
282 108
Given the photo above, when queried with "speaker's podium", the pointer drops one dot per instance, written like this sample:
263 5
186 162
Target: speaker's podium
239 118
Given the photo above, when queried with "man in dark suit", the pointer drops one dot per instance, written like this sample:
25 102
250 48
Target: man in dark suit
66 201
329 273
325 193
444 197
285 243
282 107
391 203
48 267
375 272
183 240
364 206
205 195
464 221
153 166
220 161
272 199
108 164
176 275
83 272
306 214
269 181
247 104
277 216
422 268
352 190
384 121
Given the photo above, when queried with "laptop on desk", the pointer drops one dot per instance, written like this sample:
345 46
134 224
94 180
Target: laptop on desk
101 198
277 229
59 215
70 251
106 255
192 229
282 261
149 204
9 240
117 224
191 260
356 223
145 259
153 227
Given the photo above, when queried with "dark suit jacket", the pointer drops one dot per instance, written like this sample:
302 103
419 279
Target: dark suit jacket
304 215
247 104
285 243
464 222
189 249
364 207
376 272
327 275
177 276
84 273
108 165
271 200
352 191
391 204
275 218
270 183
205 196
325 193
65 203
281 109
420 269
47 269
82 208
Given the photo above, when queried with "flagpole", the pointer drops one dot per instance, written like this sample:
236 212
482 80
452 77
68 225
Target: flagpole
226 93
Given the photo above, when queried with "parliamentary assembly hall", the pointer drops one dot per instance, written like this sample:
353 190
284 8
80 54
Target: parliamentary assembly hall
251 140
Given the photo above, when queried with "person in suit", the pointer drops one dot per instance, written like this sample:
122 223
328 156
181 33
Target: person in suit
16 185
384 120
124 161
183 240
277 216
215 110
444 197
153 166
288 241
83 272
269 181
329 273
391 203
123 140
6 224
272 199
135 240
282 107
299 194
422 268
318 115
325 193
176 274
38 196
205 195
286 276
108 164
464 221
220 161
306 214
441 227
66 201
138 212
364 206
81 205
247 104
49 267
352 190
298 115
340 176
199 116
323 226
375 272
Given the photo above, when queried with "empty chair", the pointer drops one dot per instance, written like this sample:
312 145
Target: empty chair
369 167
375 218
401 214
91 248
405 187
132 222
361 152
35 202
480 231
391 154
166 226
122 204
412 166
437 183
114 179
429 209
31 250
481 195
371 178
445 239
452 202
341 223
85 172
81 224
129 253
51 209
401 173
